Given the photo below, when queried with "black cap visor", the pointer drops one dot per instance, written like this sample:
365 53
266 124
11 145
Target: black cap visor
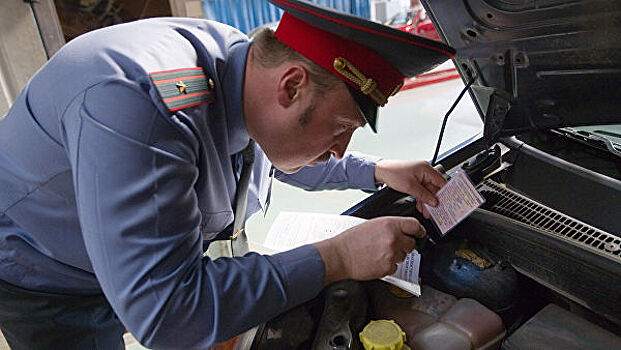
366 106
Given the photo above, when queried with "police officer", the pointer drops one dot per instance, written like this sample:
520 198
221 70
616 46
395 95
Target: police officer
123 154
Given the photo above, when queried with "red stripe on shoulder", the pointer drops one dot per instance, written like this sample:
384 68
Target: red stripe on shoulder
183 97
157 82
176 70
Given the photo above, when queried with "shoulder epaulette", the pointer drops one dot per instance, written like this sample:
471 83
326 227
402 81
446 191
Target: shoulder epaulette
183 88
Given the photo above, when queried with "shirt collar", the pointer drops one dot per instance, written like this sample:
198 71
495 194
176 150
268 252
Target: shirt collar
232 80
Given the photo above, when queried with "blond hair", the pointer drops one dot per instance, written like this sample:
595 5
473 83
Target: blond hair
270 52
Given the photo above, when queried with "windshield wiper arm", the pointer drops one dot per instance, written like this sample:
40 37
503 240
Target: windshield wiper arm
607 142
590 138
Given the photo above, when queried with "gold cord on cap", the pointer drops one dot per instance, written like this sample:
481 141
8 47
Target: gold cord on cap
368 86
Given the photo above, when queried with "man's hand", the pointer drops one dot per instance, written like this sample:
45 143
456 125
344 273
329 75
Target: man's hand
418 179
370 250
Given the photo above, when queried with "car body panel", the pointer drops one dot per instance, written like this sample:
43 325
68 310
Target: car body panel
555 64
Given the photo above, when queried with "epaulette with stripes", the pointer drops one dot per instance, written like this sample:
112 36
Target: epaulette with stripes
183 88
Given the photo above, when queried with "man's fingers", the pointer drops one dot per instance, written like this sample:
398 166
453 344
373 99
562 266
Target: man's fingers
401 256
434 177
412 227
432 181
407 244
426 213
432 188
422 194
422 209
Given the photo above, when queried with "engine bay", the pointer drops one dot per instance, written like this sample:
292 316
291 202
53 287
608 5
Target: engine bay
500 278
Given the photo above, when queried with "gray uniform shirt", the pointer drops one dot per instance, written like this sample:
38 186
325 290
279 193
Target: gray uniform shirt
102 188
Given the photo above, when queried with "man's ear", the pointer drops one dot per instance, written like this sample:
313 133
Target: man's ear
291 83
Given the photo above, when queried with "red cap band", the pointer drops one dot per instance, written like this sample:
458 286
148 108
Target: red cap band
322 47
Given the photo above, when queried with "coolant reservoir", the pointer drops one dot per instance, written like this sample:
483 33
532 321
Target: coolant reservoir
436 320
410 312
467 325
383 335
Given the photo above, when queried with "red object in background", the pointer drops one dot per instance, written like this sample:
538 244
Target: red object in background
430 78
415 21
426 29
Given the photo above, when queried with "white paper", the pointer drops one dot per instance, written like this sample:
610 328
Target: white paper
406 276
456 200
291 230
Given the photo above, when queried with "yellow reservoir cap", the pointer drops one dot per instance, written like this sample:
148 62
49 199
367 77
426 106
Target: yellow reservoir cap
382 335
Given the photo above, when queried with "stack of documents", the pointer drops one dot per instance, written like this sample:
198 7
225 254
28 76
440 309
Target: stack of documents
292 230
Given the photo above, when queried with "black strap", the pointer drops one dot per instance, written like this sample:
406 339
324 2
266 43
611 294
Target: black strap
239 240
461 94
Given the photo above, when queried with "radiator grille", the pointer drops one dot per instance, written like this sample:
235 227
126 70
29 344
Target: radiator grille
505 202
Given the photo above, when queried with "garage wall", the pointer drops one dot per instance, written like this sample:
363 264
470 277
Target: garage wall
249 14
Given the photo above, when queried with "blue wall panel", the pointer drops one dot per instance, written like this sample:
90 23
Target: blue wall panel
248 14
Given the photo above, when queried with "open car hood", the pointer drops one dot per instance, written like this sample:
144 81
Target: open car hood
536 64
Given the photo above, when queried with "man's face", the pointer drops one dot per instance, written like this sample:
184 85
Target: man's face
322 129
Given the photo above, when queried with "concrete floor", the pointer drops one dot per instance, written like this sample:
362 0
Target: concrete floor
3 344
408 129
130 343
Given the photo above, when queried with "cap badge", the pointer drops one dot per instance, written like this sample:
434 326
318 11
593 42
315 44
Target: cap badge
368 86
181 87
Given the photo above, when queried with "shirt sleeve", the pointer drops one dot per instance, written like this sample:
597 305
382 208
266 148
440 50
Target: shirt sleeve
354 171
134 175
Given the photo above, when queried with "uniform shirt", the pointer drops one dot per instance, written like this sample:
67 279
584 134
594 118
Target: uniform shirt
103 189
